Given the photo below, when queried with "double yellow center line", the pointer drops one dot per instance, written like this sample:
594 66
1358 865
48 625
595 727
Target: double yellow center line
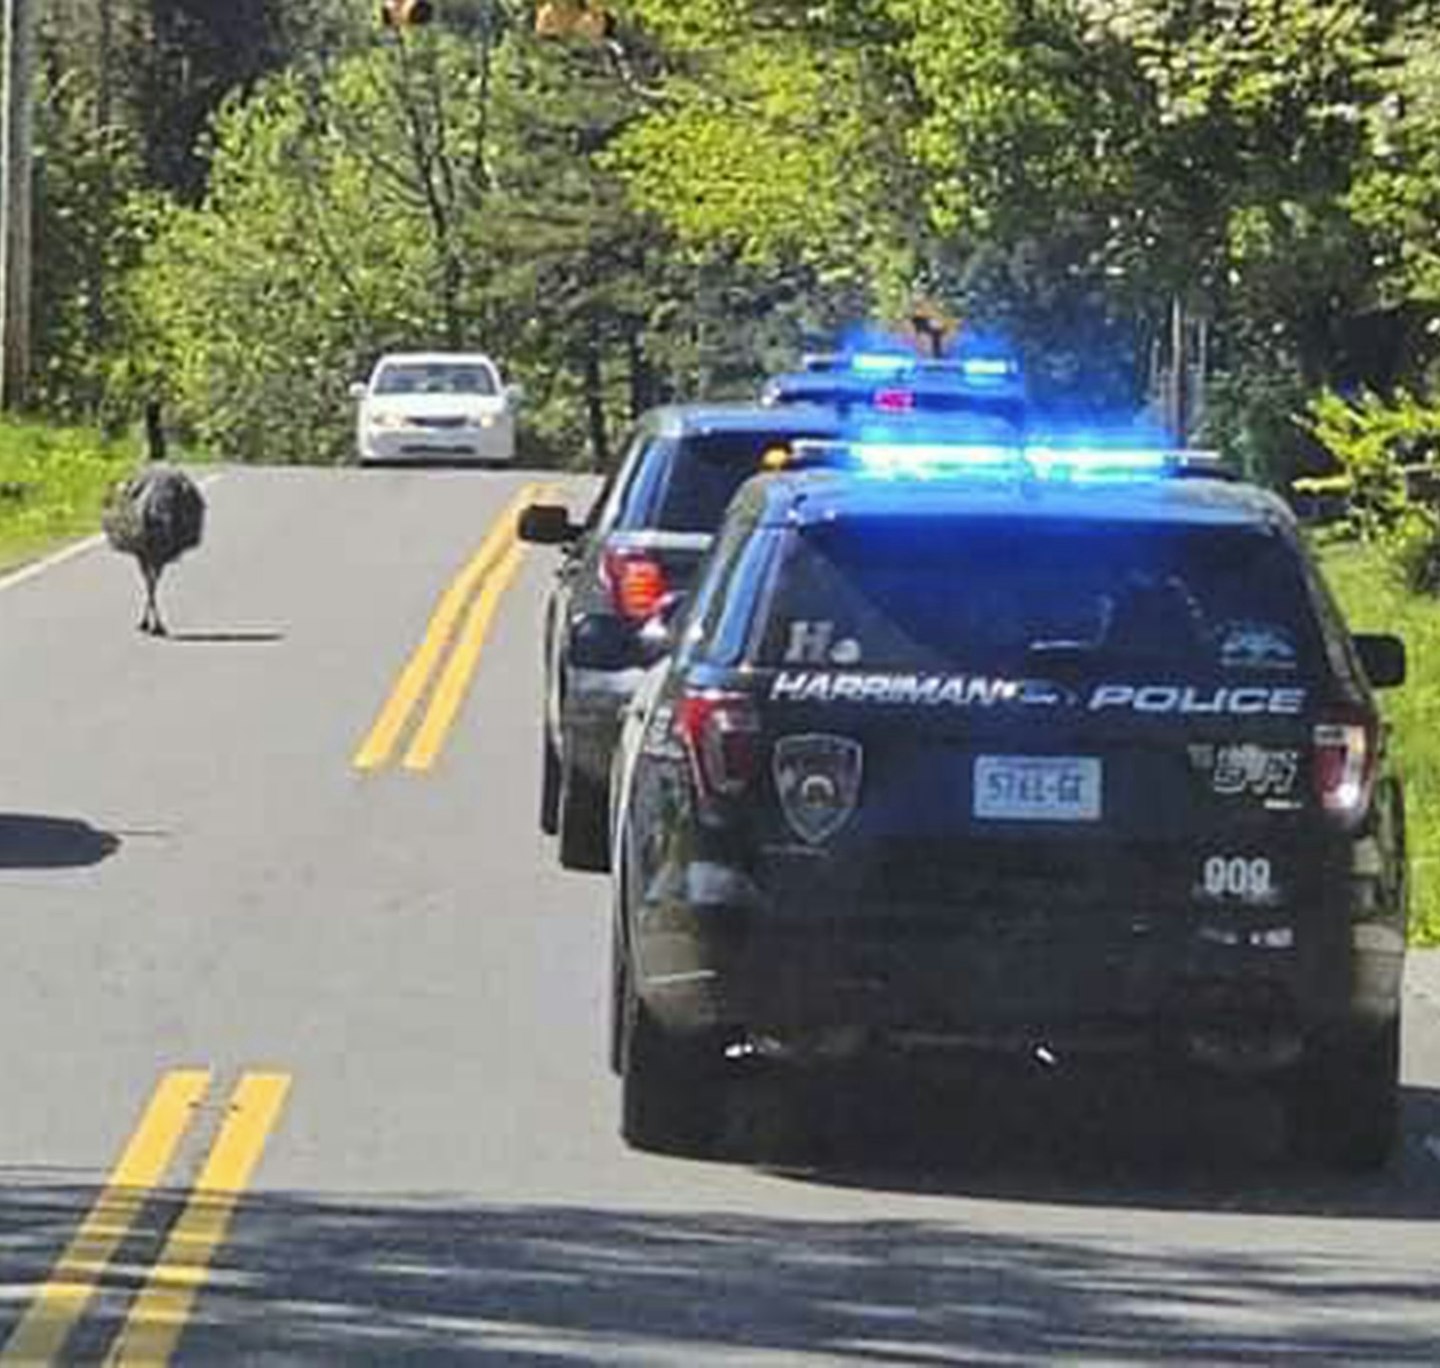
468 606
158 1315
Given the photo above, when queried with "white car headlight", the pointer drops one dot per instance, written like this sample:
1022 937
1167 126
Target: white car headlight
388 421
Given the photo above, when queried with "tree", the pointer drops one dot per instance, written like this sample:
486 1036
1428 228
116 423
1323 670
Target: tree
433 191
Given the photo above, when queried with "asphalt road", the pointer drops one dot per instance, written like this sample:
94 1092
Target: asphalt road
304 1041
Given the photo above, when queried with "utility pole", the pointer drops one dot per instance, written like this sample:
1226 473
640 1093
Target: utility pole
16 136
1178 396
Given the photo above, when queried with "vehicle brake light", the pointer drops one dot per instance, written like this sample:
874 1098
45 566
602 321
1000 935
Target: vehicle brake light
1344 764
721 735
894 400
637 583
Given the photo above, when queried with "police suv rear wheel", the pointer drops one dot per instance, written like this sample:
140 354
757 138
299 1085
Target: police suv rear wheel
583 821
1344 1107
671 1102
549 787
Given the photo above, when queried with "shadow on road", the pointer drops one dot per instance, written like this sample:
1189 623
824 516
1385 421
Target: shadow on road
421 463
1170 1145
227 638
28 842
305 1280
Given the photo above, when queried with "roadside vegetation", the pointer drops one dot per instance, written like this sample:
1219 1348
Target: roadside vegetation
1372 589
52 483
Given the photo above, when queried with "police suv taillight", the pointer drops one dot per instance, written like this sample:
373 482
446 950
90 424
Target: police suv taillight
894 400
721 733
1343 763
636 580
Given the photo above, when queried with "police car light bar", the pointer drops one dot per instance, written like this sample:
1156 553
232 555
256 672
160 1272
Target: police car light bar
896 363
988 367
915 458
1059 463
880 363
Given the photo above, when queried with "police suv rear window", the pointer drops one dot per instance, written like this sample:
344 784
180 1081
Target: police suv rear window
693 485
1021 594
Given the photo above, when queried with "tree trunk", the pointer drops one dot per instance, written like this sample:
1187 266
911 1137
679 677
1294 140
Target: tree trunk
594 381
640 372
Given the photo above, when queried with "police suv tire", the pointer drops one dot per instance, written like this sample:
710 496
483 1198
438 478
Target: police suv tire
1344 1106
549 787
668 1105
583 821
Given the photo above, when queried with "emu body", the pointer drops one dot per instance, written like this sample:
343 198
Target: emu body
156 516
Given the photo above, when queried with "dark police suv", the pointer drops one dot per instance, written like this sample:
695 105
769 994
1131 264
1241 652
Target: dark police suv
898 382
1050 752
643 540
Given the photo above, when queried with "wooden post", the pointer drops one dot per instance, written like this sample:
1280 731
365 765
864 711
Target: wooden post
16 137
1179 398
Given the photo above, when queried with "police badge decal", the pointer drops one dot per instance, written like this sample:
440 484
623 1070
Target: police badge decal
818 779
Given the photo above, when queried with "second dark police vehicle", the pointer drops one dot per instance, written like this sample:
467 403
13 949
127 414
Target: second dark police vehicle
643 540
984 750
987 382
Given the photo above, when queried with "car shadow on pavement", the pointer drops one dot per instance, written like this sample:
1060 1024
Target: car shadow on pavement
441 463
1180 1144
31 842
227 638
435 1280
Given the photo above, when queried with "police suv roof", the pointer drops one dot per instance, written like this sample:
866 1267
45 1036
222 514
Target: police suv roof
700 420
814 496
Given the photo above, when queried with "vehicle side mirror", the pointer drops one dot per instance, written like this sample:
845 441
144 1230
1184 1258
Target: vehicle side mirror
658 637
514 395
547 525
359 389
1383 657
601 642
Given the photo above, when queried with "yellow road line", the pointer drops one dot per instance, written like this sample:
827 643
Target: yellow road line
460 669
378 746
157 1317
41 1334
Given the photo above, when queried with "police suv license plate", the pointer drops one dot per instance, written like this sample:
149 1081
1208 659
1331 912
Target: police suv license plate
1037 788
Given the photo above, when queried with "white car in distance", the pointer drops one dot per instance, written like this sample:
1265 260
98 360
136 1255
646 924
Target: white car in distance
435 406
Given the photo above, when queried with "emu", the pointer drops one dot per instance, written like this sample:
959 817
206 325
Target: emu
155 516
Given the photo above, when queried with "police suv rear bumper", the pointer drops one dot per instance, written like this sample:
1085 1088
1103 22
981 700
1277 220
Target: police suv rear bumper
1241 993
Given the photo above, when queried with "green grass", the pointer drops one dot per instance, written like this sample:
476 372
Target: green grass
52 483
1374 599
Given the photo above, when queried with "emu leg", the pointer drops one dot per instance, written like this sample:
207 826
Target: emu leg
144 624
152 608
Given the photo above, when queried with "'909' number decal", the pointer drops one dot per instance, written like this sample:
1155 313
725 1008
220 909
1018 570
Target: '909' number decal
1239 877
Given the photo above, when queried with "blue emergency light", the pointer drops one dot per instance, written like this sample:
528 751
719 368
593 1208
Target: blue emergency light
989 368
1048 461
880 363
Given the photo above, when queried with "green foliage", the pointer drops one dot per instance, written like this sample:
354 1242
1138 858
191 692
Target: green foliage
672 213
52 483
89 236
1062 168
768 153
1375 599
334 229
1397 195
1379 444
1257 415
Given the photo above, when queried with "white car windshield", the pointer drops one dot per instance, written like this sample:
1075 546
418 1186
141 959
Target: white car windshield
436 377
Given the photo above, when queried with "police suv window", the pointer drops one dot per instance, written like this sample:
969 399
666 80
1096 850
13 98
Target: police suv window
605 506
1010 593
727 624
640 476
700 632
703 475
